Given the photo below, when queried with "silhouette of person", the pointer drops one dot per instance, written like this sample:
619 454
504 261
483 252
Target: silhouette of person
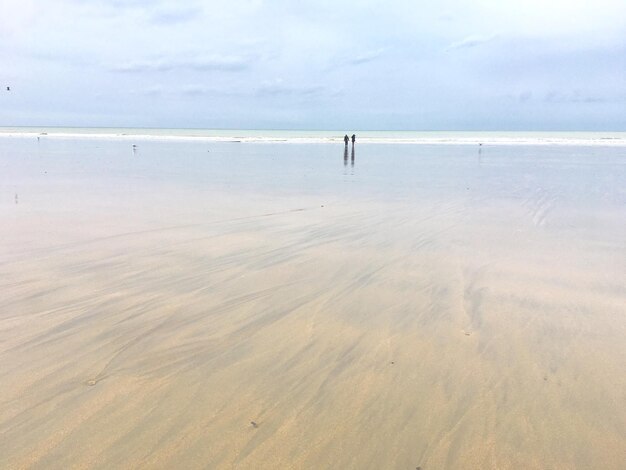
353 139
346 139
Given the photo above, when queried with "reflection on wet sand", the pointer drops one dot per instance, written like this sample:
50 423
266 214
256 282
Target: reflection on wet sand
465 331
345 156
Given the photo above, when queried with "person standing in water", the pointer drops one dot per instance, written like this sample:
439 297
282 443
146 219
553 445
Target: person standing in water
352 156
346 139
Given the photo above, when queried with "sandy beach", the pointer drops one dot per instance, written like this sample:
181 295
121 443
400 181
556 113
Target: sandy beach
244 305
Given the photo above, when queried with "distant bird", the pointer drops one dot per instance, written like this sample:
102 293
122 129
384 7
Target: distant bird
8 88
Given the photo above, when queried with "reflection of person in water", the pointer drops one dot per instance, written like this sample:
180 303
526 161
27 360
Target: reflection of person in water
346 139
352 156
345 155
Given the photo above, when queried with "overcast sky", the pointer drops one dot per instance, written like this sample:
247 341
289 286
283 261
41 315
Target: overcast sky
362 64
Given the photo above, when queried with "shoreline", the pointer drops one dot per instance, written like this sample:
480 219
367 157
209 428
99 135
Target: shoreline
600 140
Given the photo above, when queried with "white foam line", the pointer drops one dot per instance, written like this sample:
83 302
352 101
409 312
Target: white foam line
610 142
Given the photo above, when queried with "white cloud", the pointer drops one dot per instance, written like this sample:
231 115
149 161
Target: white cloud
279 87
472 41
198 64
365 57
174 16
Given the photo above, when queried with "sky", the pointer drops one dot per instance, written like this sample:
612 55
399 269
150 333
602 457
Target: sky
286 64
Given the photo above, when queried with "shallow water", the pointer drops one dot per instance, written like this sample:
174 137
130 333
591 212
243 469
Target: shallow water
236 305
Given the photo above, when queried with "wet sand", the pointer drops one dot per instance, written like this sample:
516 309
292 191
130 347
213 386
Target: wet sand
265 306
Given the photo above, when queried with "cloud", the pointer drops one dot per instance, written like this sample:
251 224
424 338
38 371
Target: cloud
195 90
358 59
277 87
471 41
226 53
206 64
174 16
368 56
153 91
580 97
192 91
130 3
